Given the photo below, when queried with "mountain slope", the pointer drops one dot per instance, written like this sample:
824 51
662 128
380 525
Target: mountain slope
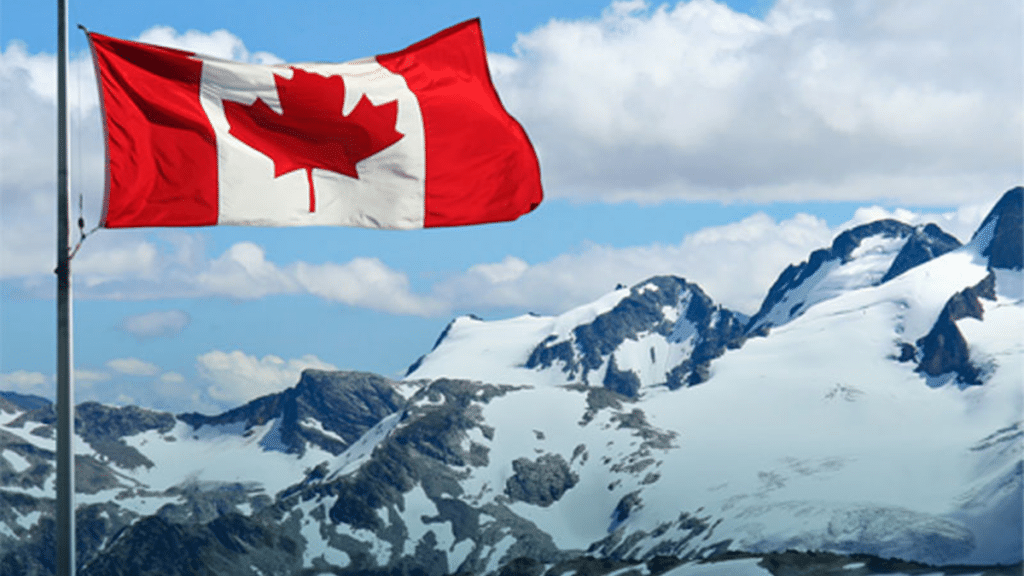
664 331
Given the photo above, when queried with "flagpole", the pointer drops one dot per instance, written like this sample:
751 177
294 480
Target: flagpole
65 379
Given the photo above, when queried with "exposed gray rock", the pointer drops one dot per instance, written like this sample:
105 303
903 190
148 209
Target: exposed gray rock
542 481
924 244
104 427
643 312
230 545
344 403
13 401
624 382
201 503
1006 247
624 508
944 348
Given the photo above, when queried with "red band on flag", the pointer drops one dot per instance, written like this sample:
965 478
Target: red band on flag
161 149
472 143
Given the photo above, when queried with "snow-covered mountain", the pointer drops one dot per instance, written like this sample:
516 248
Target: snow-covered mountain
662 332
867 255
665 332
868 419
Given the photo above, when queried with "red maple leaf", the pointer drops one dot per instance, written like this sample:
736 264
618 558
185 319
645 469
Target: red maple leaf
312 132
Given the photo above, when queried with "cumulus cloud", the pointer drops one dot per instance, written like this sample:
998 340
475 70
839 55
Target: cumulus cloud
172 378
133 367
219 43
87 377
365 282
735 264
962 222
154 324
820 100
24 382
244 272
236 377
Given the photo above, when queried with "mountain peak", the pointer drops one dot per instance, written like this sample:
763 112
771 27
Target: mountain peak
1001 233
927 242
662 331
15 401
326 408
866 255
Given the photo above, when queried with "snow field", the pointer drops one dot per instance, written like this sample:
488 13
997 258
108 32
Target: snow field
219 454
418 506
316 425
354 456
18 462
316 545
652 356
494 351
532 422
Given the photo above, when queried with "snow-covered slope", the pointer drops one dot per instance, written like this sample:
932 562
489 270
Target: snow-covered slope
662 332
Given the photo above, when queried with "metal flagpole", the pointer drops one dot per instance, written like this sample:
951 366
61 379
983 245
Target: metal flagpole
65 377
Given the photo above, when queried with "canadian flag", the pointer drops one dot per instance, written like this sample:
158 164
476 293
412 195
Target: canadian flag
416 138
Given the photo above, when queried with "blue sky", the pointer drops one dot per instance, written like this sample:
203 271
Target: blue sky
718 142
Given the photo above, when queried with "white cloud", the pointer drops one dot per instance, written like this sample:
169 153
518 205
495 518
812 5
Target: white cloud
153 324
822 100
243 272
24 382
219 43
236 377
172 378
365 282
133 367
735 264
87 377
962 222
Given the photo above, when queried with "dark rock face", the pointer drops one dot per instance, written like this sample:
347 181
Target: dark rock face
944 348
344 403
624 508
104 428
542 481
714 329
624 382
427 448
923 245
15 401
228 545
1006 248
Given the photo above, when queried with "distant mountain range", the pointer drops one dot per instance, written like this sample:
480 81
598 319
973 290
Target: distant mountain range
866 420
